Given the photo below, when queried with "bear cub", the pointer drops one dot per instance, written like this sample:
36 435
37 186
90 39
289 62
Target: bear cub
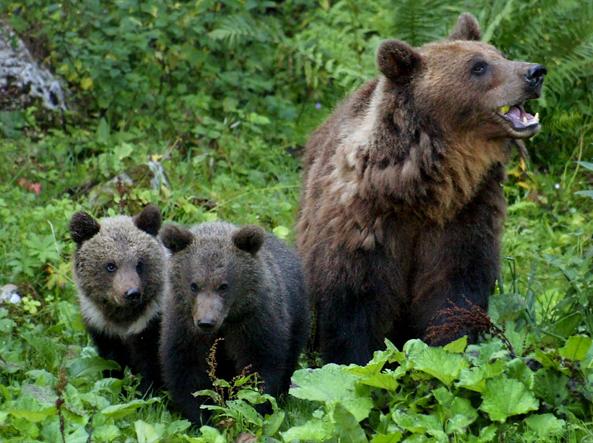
239 284
120 270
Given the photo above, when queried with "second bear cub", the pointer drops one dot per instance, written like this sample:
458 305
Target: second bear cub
238 284
120 271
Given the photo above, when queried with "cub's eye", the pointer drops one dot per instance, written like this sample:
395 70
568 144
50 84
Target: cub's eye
111 267
140 267
194 287
223 287
479 68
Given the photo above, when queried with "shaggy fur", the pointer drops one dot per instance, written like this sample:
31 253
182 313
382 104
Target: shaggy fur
244 286
402 207
119 268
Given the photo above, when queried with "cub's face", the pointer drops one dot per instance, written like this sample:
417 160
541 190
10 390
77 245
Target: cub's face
119 266
212 276
464 85
206 282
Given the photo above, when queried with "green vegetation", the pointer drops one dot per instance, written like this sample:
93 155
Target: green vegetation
223 95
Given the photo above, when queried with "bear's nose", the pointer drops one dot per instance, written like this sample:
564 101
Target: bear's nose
206 324
132 294
535 76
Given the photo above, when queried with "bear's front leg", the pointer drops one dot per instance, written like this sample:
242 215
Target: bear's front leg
185 371
349 326
111 348
458 265
144 356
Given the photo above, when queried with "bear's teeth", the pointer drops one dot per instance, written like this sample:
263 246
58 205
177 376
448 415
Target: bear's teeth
536 117
504 109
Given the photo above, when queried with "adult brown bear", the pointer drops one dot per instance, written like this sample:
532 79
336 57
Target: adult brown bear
402 207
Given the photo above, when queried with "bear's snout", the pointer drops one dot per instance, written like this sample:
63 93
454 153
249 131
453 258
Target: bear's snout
208 312
206 324
133 295
535 78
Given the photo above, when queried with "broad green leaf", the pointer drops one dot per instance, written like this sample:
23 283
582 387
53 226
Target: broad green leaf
505 397
90 366
576 347
108 385
31 411
332 384
347 428
518 370
393 437
371 374
382 381
459 411
107 432
545 425
178 426
419 423
148 433
313 430
458 346
103 131
246 411
551 387
487 434
211 435
273 422
475 378
121 410
437 362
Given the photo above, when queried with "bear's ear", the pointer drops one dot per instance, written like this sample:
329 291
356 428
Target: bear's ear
398 61
176 238
249 238
467 28
83 227
149 220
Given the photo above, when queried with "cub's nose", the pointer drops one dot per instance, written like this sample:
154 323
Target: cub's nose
535 76
132 294
207 324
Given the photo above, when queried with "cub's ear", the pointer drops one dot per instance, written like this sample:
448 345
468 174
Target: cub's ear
83 227
149 220
398 61
249 238
176 238
467 28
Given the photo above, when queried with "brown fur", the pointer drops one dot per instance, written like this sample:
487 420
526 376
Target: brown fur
120 270
402 194
243 286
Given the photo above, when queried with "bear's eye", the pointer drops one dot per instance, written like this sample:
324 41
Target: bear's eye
111 267
223 287
140 267
194 287
479 68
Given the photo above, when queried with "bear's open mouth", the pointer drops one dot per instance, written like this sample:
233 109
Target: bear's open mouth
520 119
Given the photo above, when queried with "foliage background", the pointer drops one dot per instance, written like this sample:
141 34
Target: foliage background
223 95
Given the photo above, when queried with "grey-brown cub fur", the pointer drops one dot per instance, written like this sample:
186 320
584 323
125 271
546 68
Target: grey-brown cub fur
239 284
120 271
